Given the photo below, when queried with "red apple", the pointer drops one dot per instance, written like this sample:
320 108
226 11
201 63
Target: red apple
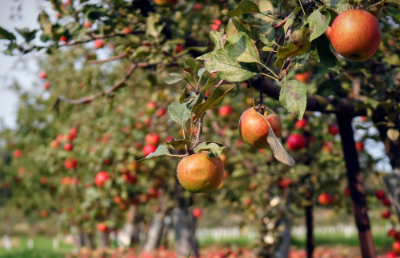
152 139
43 214
151 106
325 199
356 35
161 112
284 183
60 138
17 154
386 214
129 178
225 111
63 39
43 75
127 30
87 24
70 163
200 173
391 255
396 247
359 146
153 192
328 32
254 128
386 201
102 227
333 130
98 43
68 146
168 139
197 213
347 191
178 48
73 132
149 149
197 7
46 85
300 124
101 178
296 142
247 201
43 180
303 77
392 233
380 194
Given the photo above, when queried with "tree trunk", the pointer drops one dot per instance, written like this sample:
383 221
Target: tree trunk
80 241
125 235
104 239
309 225
89 241
195 246
284 246
356 187
156 229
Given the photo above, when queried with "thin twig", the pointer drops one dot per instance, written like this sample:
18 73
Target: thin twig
107 60
199 130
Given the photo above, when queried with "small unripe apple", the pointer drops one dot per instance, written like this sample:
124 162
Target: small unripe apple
60 138
225 111
46 85
101 178
102 227
17 154
359 146
386 201
152 139
226 174
254 129
386 214
68 146
300 124
70 163
380 194
43 75
333 130
87 24
325 199
98 43
166 3
356 35
200 173
296 142
197 213
396 247
327 146
149 149
303 77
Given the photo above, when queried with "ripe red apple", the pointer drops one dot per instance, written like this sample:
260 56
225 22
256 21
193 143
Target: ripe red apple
98 43
63 39
284 183
130 178
46 85
87 24
107 161
296 142
178 48
380 194
43 180
168 139
224 158
101 178
102 227
152 139
216 25
73 132
161 112
152 192
68 146
17 154
386 214
391 255
197 7
396 247
328 32
392 233
225 111
303 77
166 3
149 149
356 35
70 163
247 201
300 124
333 130
386 201
43 75
359 146
200 173
43 214
363 119
325 199
60 138
127 30
197 213
117 199
151 106
254 129
347 191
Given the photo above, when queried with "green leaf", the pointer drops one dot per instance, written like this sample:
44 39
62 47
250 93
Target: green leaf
45 23
227 68
299 44
177 144
338 5
318 23
179 112
193 66
267 35
214 147
242 48
266 48
263 14
29 35
200 72
300 60
151 28
246 6
5 34
160 151
290 19
59 6
236 25
218 38
174 78
215 98
293 97
321 52
211 81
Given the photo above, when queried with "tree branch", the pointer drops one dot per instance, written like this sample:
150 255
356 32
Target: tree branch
107 60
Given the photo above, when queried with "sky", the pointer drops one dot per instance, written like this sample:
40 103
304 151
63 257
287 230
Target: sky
27 77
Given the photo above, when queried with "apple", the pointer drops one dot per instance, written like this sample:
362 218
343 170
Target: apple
254 128
98 43
161 112
127 30
396 247
17 154
200 173
303 77
46 85
68 146
392 233
43 180
359 146
101 178
224 158
386 214
225 111
333 130
168 139
43 214
63 39
197 213
60 138
328 32
129 178
70 163
107 161
102 227
247 201
327 146
43 75
151 106
347 191
197 7
391 255
152 192
386 201
380 194
296 142
178 48
284 183
216 25
325 199
152 139
117 199
166 3
73 132
87 24
356 35
300 124
59 15
149 149
147 121
363 119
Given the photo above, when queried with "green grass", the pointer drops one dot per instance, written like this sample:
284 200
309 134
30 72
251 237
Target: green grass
42 248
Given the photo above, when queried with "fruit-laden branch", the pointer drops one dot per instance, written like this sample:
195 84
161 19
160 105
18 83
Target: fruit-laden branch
86 100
